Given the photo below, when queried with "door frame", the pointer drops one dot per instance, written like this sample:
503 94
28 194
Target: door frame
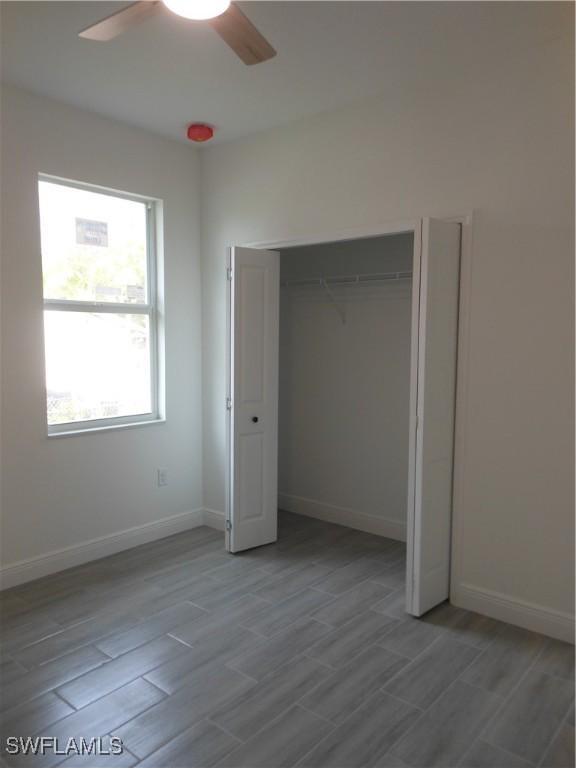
396 227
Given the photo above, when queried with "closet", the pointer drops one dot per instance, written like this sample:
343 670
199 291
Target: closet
344 382
341 390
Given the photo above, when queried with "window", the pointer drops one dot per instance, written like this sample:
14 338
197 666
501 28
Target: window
100 317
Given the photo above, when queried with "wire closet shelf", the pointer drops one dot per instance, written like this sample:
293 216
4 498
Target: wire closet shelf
327 283
337 280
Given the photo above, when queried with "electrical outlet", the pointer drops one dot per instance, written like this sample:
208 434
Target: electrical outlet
162 478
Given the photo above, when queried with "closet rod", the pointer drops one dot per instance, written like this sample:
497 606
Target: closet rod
360 279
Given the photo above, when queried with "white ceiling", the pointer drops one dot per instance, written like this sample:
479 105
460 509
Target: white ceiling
168 72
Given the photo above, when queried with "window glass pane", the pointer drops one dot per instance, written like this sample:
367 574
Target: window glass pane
97 365
93 245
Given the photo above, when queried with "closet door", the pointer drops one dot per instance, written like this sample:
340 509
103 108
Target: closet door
253 398
433 391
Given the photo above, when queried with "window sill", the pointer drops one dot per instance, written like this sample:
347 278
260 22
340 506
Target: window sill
108 428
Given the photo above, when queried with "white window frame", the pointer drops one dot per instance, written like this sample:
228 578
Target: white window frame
149 308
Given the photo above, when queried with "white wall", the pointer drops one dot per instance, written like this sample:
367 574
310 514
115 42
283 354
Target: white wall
493 133
344 387
63 492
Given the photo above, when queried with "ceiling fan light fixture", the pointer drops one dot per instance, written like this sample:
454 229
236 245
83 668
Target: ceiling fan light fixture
197 10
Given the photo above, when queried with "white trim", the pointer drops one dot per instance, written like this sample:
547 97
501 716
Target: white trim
398 227
98 188
229 475
389 227
512 610
60 559
213 518
69 428
109 427
380 526
96 307
413 419
461 414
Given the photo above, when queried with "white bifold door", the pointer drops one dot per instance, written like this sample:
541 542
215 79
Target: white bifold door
435 299
254 297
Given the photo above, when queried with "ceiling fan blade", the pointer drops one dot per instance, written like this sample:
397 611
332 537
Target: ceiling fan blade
241 35
119 22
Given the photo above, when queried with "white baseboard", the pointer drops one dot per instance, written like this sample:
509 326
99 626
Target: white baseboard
499 606
214 519
59 560
392 529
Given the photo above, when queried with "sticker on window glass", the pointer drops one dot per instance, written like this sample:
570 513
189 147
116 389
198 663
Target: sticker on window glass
135 293
90 232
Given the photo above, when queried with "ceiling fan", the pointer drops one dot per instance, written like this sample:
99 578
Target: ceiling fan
233 26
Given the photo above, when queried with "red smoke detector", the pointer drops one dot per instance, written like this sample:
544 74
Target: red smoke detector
200 132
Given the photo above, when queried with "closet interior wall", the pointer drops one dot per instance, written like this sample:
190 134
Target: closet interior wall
344 382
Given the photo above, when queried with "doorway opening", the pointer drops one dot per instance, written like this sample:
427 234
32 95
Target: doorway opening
342 396
344 382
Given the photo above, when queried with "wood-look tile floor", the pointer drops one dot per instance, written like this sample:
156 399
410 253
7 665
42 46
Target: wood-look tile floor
298 653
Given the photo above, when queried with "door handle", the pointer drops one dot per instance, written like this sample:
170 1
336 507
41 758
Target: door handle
255 419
